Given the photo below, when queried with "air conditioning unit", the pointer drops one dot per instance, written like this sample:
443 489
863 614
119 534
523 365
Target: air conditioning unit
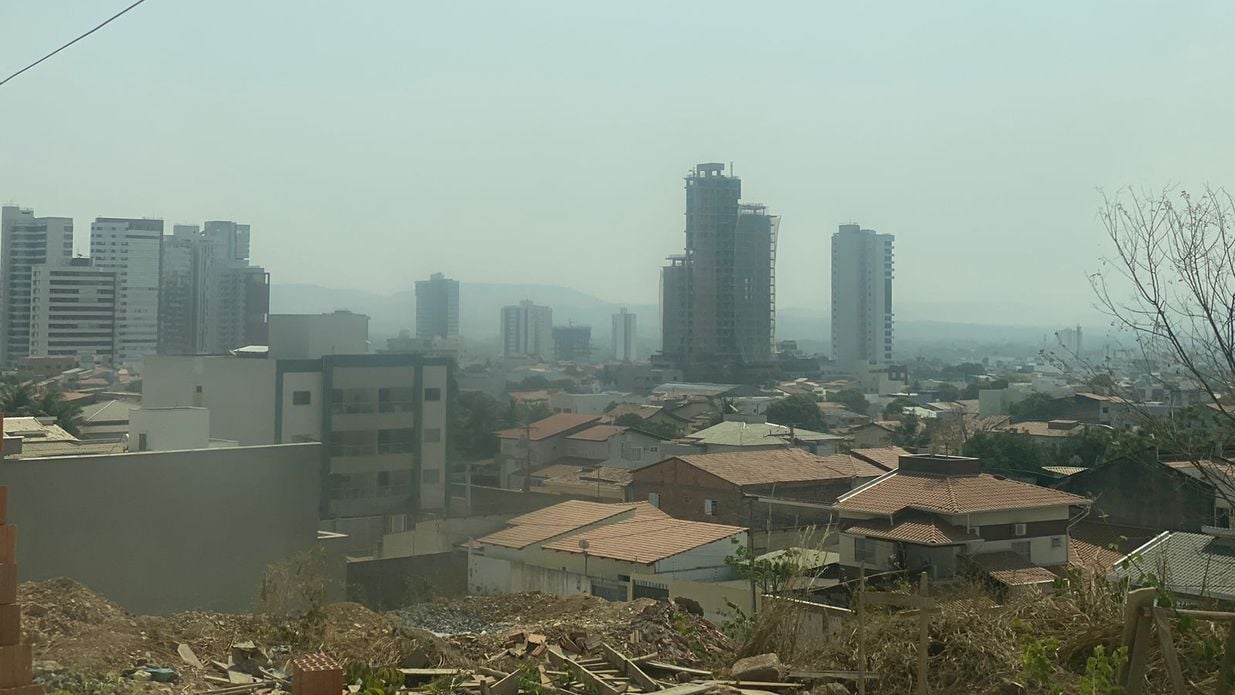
1018 529
396 523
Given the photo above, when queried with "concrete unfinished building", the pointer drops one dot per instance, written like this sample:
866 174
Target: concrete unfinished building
718 299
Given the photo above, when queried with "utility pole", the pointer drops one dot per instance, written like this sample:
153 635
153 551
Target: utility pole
750 552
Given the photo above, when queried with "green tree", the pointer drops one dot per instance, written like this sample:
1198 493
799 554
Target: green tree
534 382
662 430
20 400
909 433
852 399
475 416
1036 406
892 411
1006 451
948 392
798 410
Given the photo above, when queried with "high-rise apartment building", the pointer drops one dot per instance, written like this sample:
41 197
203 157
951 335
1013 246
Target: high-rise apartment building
527 330
861 298
437 308
718 299
211 299
132 248
26 241
73 310
572 343
625 337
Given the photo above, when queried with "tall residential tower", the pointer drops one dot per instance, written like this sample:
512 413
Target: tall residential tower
437 308
861 298
26 241
625 337
132 248
718 299
527 330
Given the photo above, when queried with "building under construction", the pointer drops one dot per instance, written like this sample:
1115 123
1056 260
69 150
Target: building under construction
718 299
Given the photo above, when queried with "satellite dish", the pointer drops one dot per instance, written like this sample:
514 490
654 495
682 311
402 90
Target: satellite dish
583 544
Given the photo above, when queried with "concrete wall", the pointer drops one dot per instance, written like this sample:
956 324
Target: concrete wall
1131 492
302 422
396 582
160 532
440 535
213 382
433 454
169 429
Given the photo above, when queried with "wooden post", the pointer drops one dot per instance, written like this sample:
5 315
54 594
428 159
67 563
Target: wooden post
1140 655
1137 599
861 627
1226 672
924 634
1168 651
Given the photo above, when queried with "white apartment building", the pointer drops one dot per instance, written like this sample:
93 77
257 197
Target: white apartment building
625 336
382 420
527 330
133 249
26 241
72 310
861 297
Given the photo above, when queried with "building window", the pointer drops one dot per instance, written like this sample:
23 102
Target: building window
433 435
654 499
430 476
864 550
1018 529
301 398
433 394
709 507
197 389
142 444
1056 541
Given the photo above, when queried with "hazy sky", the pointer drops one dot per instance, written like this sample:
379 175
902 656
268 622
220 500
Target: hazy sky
371 143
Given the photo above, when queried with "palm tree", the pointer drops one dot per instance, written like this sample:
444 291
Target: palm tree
20 400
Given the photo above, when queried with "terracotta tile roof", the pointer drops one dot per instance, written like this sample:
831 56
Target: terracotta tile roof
645 540
762 434
597 433
886 457
1064 470
956 494
919 530
1011 569
643 411
1090 545
529 396
565 517
549 427
766 467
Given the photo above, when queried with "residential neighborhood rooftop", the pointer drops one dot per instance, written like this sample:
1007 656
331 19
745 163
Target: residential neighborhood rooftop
1011 569
767 467
736 433
564 517
644 540
886 457
1193 564
597 433
921 530
549 427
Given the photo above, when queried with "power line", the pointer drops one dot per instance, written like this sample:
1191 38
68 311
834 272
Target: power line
109 20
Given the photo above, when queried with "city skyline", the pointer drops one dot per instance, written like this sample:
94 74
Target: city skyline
1057 124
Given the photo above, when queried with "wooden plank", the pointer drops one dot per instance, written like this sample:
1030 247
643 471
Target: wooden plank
559 659
1226 672
830 675
763 685
630 668
876 598
1211 616
506 686
687 689
1168 651
1140 656
674 668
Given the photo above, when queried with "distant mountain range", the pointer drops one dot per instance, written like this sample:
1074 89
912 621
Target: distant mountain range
481 304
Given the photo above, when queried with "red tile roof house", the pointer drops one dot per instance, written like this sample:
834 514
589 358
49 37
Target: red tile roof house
783 489
580 547
934 512
537 444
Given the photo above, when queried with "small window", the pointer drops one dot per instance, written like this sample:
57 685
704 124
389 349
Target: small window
1018 529
433 394
654 499
709 507
301 397
864 550
197 389
430 476
383 478
433 435
1056 541
142 444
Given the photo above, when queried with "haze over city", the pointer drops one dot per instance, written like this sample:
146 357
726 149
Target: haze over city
374 144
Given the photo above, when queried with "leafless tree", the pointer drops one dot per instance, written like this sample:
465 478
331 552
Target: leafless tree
1170 286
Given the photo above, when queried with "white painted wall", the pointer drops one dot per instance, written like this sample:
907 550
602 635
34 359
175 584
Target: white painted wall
239 392
301 422
433 454
169 429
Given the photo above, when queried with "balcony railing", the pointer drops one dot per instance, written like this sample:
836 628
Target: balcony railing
353 407
396 448
396 406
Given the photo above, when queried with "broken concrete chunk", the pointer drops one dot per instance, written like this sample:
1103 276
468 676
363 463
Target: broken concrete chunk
763 667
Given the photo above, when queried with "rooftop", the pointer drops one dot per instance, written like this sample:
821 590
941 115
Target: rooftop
565 517
949 494
551 426
735 433
767 467
918 529
1052 428
1011 569
597 433
886 457
1193 564
644 540
643 411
